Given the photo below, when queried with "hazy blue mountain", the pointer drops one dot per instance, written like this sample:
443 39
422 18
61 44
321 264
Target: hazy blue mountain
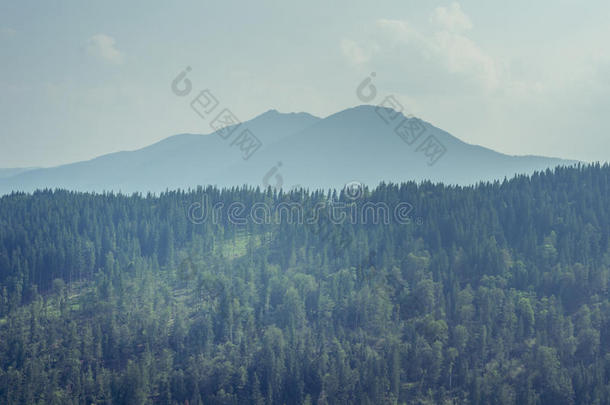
184 160
4 173
358 144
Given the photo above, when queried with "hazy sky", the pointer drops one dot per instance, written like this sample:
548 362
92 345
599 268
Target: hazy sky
79 79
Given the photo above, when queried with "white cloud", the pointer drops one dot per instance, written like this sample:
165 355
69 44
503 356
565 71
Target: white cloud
451 18
401 29
449 50
500 98
101 46
461 55
354 52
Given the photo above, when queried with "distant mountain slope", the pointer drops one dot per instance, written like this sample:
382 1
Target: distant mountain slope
184 160
356 144
5 173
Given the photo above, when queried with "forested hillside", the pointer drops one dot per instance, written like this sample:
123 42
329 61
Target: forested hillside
494 294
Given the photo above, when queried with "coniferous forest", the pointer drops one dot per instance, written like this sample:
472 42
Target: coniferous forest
492 294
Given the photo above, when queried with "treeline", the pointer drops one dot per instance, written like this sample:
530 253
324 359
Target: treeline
494 294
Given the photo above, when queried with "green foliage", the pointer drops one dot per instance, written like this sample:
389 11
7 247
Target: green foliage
498 295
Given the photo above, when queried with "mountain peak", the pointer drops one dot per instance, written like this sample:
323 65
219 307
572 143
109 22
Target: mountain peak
270 112
365 110
273 113
356 144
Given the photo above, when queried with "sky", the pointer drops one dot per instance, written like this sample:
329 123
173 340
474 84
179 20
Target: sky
81 79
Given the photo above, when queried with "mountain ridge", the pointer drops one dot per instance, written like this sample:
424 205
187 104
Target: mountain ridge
355 144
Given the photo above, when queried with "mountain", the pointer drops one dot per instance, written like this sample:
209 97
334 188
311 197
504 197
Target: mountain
4 173
180 161
358 145
366 144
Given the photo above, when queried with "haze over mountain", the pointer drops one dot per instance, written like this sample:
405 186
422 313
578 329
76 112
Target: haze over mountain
359 144
4 173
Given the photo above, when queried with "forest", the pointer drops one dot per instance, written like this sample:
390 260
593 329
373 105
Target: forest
489 294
